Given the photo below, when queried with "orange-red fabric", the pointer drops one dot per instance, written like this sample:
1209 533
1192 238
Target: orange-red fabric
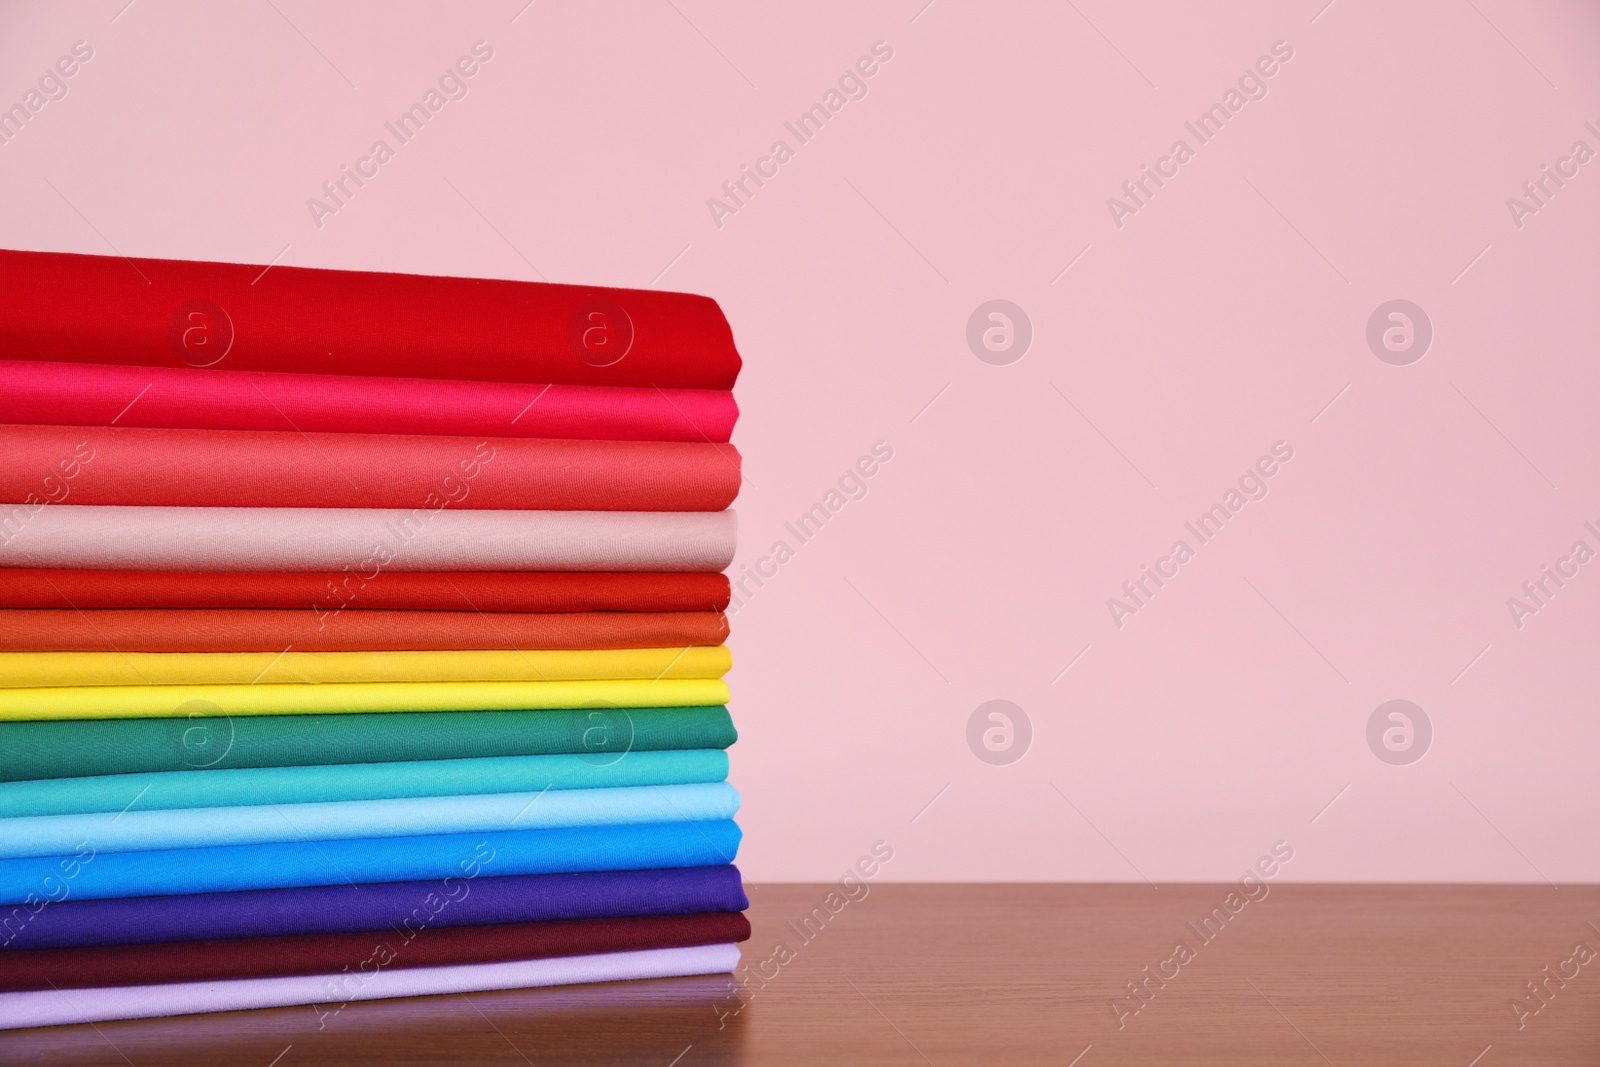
265 468
558 591
209 630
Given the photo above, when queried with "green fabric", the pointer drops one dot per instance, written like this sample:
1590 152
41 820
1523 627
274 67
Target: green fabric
87 747
260 786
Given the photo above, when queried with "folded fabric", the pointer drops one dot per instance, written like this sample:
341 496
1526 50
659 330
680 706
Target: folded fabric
55 1007
263 824
87 875
190 702
283 469
356 781
172 313
360 953
90 394
371 541
30 751
29 669
551 591
347 908
209 630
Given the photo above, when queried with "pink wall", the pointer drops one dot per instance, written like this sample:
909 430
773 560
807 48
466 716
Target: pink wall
1221 317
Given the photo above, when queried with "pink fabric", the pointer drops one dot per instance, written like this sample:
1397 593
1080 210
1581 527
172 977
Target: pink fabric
370 540
93 394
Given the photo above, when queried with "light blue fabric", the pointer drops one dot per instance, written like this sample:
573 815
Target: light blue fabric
360 781
87 875
143 831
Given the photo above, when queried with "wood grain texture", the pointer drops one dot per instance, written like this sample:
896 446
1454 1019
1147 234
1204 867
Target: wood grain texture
996 974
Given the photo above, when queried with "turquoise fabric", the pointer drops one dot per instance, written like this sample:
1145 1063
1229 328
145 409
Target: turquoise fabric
185 828
360 781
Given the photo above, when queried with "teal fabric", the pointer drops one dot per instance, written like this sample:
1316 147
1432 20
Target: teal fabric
79 748
191 828
361 781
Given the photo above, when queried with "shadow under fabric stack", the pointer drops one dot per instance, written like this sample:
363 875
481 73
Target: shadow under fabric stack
361 636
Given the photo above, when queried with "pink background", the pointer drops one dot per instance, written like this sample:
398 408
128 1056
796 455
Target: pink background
1222 317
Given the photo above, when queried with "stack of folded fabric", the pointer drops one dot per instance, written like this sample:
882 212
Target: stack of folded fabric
361 636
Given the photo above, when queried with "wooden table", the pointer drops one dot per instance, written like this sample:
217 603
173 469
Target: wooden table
1000 974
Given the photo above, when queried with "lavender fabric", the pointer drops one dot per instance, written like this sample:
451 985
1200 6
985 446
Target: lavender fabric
329 992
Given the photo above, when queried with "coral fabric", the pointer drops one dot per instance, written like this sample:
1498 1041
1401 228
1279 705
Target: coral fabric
93 394
554 591
54 1007
90 747
32 669
349 907
273 469
172 313
248 630
265 957
370 540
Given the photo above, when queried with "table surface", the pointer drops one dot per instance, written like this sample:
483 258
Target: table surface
1000 974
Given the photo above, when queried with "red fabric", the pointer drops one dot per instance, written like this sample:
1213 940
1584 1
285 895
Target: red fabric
260 468
171 313
334 954
546 591
91 394
208 630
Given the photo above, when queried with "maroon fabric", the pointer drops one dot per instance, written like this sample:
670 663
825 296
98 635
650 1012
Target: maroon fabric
553 591
333 954
172 313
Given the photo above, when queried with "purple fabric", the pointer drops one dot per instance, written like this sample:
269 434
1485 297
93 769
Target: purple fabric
457 901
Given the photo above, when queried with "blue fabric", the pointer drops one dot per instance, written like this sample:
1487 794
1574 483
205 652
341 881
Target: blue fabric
359 781
89 875
143 831
339 909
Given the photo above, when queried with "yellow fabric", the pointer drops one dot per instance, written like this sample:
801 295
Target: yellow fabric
179 701
31 669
